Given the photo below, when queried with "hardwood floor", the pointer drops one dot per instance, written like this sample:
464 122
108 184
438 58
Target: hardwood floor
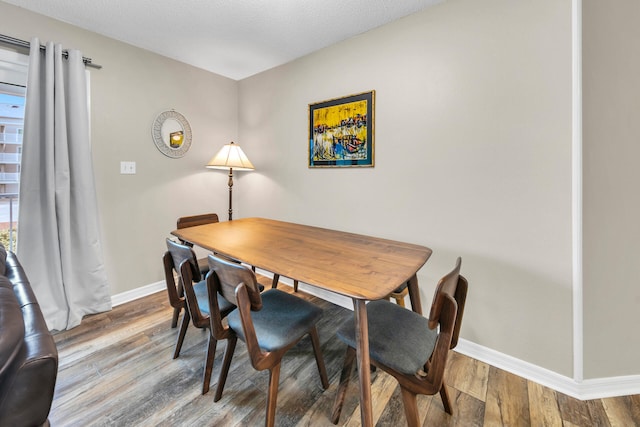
116 369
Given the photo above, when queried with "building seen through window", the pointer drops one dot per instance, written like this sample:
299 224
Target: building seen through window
13 74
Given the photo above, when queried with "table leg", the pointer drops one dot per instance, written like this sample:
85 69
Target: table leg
362 356
414 294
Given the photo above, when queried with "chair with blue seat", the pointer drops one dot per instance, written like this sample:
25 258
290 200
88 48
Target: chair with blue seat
193 221
177 302
399 293
175 291
195 300
269 323
406 345
202 219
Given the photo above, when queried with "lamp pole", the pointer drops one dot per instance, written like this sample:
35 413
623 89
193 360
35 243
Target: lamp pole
230 193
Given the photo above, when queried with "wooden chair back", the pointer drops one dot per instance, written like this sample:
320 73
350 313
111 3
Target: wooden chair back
446 313
453 286
179 253
194 220
188 272
200 320
174 289
238 285
231 275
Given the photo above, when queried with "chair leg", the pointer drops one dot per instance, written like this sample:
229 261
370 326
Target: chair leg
176 314
410 407
295 286
272 397
176 310
208 364
446 402
274 282
228 355
345 376
315 342
183 331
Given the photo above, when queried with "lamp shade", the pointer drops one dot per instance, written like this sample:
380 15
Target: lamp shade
230 156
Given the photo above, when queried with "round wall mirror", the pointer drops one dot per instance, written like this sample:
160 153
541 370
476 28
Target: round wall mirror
171 134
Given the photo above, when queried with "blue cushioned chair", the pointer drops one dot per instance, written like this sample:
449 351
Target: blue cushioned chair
193 221
408 346
175 290
269 323
399 293
195 299
203 219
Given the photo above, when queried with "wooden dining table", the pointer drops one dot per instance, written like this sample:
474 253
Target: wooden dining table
357 266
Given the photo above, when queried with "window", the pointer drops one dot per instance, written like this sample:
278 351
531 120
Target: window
13 78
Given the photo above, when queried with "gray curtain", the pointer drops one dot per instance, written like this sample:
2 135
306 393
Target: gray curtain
58 230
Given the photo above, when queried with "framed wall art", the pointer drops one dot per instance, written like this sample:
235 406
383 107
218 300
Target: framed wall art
341 132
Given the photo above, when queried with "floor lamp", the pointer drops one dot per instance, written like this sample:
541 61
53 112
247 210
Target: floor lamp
230 157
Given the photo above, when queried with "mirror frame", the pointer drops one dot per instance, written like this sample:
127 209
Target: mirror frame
156 133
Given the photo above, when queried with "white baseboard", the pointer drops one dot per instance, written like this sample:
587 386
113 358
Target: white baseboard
137 293
598 388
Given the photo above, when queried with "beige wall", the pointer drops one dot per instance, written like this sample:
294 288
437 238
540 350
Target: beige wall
611 71
138 211
473 158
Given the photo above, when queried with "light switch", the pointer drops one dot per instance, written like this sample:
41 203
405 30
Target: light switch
128 168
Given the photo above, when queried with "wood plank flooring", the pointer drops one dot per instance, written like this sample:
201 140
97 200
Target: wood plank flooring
116 369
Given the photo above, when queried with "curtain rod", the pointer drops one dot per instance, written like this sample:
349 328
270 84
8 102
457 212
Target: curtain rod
25 44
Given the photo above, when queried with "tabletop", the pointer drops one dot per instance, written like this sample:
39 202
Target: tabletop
354 265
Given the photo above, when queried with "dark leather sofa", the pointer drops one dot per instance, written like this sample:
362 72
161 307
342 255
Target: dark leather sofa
28 354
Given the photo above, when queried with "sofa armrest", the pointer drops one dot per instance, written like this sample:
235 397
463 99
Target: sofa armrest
28 353
12 330
21 286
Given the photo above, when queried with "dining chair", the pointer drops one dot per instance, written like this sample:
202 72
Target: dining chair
202 219
192 221
406 345
175 291
399 293
269 323
195 302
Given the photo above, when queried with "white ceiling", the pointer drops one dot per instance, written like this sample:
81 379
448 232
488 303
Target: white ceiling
233 38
